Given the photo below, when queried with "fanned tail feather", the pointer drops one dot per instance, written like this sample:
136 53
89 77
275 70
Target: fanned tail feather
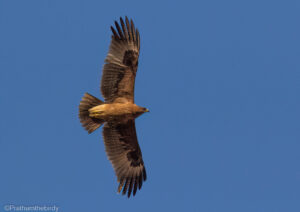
90 124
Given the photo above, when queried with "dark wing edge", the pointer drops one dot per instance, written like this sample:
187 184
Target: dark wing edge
123 151
121 62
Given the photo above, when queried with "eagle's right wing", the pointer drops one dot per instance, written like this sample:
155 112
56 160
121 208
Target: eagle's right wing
123 151
117 84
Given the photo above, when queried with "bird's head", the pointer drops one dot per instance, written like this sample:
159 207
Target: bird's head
145 110
140 111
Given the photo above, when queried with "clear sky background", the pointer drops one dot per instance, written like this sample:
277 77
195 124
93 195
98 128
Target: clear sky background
222 82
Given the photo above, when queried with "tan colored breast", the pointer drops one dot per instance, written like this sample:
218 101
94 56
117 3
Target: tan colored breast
108 111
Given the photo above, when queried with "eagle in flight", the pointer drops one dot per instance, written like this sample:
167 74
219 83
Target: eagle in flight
118 112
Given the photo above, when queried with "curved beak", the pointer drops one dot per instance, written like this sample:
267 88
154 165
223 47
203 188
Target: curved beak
147 110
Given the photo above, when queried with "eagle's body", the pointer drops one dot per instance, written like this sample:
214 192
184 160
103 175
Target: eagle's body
118 112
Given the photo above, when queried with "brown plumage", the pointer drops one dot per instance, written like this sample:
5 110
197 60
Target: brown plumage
118 112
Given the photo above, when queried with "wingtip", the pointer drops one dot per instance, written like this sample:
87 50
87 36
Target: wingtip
121 19
117 25
119 189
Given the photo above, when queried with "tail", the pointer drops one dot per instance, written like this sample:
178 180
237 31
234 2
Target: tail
90 124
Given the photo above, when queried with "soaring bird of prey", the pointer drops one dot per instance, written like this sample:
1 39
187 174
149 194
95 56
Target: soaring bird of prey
118 112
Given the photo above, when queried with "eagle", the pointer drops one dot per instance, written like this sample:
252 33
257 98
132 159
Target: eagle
118 111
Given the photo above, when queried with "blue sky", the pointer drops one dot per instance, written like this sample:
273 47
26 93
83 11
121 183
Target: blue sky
222 82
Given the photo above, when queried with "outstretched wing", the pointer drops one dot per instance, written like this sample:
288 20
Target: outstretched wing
117 84
123 151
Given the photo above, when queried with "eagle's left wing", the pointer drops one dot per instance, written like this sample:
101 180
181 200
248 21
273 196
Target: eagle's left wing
119 70
123 151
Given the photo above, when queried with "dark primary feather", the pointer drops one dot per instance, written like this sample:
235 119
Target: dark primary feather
128 29
121 63
119 30
115 33
123 151
132 30
124 29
